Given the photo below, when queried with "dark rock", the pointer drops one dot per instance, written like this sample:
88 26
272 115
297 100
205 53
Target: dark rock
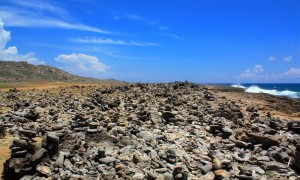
28 133
20 143
265 140
297 156
272 165
52 142
294 126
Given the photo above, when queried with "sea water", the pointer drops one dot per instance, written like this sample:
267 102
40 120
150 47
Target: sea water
291 90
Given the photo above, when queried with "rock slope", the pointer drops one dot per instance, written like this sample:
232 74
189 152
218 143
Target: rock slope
146 131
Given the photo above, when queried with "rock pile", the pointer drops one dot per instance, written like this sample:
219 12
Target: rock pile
149 131
24 156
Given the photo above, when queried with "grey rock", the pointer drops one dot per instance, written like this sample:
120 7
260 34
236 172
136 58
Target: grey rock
208 176
263 158
207 167
107 160
138 176
146 135
258 170
39 155
272 165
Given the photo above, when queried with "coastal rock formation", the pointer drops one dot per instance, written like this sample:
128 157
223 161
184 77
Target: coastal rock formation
146 131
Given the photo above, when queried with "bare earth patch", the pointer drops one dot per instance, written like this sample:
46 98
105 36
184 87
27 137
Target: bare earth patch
46 85
4 151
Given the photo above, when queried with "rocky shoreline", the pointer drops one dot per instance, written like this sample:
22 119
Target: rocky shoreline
146 131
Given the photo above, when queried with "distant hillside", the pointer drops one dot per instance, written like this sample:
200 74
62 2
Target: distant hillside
23 71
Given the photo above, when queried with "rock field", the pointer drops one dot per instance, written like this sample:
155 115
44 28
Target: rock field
145 131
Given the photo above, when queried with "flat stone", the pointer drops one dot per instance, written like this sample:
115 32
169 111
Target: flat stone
222 174
258 170
28 133
263 158
107 160
92 130
265 140
19 153
20 143
272 165
45 170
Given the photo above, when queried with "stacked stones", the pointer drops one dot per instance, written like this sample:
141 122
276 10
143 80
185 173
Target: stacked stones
24 156
151 131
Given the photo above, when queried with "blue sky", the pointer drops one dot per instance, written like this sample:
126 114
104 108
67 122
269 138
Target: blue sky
219 41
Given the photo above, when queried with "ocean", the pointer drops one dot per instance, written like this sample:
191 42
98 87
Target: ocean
291 90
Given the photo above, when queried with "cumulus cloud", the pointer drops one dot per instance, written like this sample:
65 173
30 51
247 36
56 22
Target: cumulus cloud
4 36
288 58
250 73
257 74
111 41
82 63
292 72
11 53
272 58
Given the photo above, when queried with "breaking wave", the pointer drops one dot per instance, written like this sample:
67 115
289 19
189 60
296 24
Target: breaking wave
257 89
238 86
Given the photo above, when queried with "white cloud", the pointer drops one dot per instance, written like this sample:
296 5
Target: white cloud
251 73
4 36
21 17
11 53
81 63
272 58
257 75
41 6
292 72
136 17
111 41
171 35
288 58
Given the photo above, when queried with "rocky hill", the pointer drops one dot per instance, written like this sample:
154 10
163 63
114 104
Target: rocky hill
23 71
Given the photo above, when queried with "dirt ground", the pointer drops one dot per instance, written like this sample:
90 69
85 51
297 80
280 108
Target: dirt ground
4 151
46 85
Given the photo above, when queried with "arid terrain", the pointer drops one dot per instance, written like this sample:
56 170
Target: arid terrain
147 131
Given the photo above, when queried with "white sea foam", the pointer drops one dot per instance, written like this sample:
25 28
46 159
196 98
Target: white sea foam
238 86
257 89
